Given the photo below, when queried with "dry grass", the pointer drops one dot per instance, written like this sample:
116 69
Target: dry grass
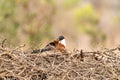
17 64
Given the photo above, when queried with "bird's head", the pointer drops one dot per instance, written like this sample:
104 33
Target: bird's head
61 40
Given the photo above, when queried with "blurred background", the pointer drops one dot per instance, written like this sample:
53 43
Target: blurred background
86 24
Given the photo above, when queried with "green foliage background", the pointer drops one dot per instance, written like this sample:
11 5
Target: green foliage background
34 20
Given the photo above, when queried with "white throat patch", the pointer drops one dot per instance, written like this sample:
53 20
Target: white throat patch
63 42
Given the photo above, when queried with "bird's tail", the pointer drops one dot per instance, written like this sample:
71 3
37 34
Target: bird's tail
36 51
45 49
41 50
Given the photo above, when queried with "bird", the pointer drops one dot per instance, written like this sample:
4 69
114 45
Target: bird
56 45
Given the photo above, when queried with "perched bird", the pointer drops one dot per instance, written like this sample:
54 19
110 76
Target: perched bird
57 45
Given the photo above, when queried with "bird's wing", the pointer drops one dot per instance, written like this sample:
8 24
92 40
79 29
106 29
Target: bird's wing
48 47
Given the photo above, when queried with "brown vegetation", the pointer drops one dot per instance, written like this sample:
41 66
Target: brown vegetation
18 64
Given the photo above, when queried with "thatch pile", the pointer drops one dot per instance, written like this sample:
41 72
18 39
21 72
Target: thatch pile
17 64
